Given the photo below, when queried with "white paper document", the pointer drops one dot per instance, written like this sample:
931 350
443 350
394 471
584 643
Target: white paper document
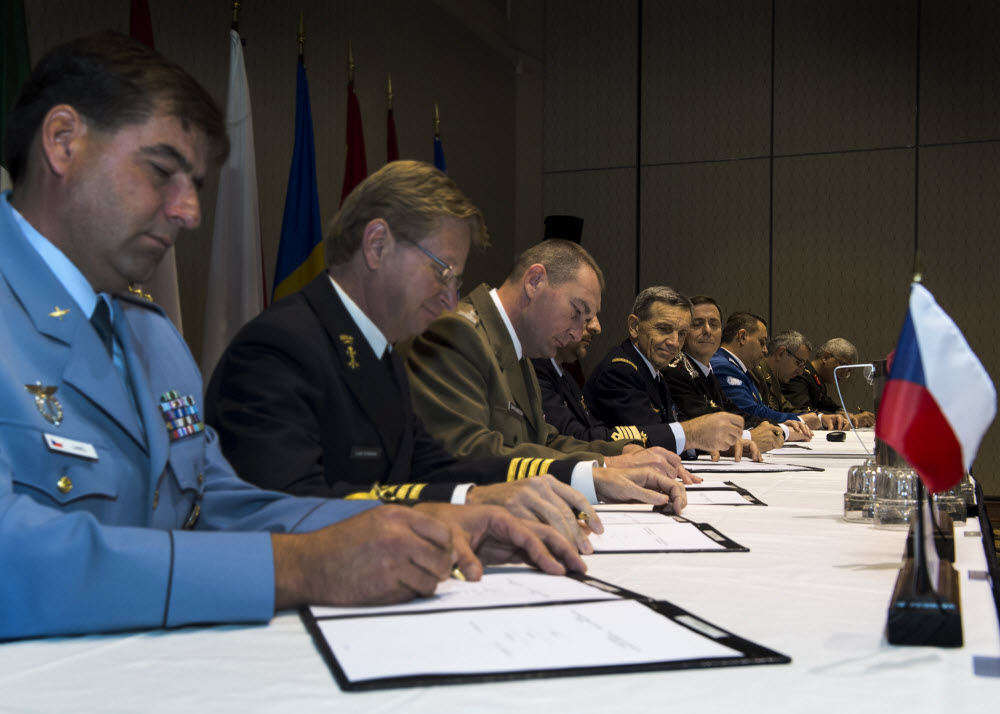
708 483
744 466
619 632
851 447
635 531
728 497
499 586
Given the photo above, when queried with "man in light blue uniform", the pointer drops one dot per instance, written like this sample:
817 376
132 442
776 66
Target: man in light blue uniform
117 509
744 343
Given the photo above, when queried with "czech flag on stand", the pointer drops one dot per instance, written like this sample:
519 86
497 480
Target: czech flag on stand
938 400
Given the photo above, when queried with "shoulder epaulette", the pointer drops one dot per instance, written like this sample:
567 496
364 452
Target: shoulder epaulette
135 296
469 313
137 290
629 362
526 467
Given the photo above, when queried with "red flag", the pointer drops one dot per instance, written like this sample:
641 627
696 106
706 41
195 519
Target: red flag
355 164
140 22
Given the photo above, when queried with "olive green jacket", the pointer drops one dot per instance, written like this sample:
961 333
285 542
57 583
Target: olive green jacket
476 398
770 389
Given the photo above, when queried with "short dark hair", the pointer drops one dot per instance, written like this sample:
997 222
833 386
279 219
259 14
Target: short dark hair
562 260
412 197
642 306
740 321
705 300
112 81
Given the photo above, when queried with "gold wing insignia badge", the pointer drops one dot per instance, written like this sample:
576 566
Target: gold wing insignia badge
59 312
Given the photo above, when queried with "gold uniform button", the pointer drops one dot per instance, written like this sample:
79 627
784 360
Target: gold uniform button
201 479
65 484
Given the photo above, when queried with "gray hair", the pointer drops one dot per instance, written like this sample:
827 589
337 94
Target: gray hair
790 340
643 305
839 348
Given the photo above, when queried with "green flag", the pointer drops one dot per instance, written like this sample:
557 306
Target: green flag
16 64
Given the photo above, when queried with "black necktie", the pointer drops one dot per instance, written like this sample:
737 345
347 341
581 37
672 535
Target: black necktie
101 320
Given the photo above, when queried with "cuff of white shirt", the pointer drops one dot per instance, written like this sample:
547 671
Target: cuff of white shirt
582 479
746 435
679 438
461 491
784 429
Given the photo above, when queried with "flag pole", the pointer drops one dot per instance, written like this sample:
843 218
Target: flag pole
235 25
350 64
302 37
391 142
922 610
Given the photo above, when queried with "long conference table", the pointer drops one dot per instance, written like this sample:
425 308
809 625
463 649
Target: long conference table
812 587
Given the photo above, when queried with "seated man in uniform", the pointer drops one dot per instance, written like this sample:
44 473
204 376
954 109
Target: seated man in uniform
692 384
808 390
475 389
310 397
563 403
786 356
117 509
744 342
627 387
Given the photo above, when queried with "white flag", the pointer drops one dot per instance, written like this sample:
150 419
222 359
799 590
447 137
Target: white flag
235 277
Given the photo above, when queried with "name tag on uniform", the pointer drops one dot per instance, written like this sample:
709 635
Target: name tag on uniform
735 381
366 452
514 408
70 446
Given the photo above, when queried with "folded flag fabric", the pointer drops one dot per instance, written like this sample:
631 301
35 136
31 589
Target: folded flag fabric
938 399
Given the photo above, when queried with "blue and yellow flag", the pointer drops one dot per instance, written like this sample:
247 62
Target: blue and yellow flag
300 252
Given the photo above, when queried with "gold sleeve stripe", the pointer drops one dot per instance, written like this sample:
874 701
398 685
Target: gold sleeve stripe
636 434
535 465
363 496
544 467
512 469
417 488
404 490
522 471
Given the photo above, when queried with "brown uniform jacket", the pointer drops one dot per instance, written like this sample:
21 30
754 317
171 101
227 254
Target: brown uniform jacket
770 389
476 398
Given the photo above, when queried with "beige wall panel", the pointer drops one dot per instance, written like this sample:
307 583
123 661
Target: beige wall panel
704 231
706 80
590 83
606 202
959 70
845 75
843 249
959 230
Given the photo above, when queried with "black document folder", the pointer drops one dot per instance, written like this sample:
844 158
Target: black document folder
407 646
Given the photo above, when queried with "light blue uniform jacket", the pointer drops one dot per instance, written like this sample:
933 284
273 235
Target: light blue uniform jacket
738 386
94 545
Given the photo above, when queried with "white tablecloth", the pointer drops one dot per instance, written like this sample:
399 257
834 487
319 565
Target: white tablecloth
812 587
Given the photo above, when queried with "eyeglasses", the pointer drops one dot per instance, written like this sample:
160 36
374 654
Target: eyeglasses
446 276
800 363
